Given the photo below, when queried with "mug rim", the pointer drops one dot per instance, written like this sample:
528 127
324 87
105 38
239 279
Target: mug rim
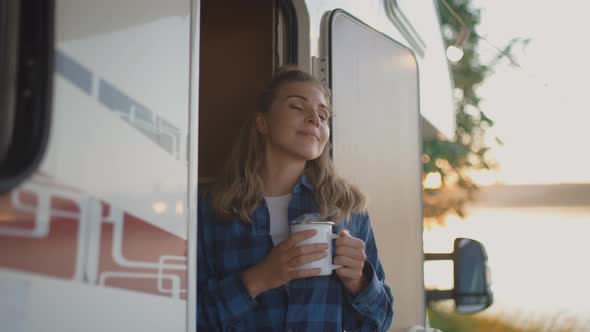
314 222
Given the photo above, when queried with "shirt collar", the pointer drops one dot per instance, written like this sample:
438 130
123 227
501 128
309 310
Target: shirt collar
303 182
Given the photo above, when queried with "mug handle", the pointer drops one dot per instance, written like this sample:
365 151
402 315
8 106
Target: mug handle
334 266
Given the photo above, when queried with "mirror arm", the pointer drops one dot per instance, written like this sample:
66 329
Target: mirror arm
438 257
438 295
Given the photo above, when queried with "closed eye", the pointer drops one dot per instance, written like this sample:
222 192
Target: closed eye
297 107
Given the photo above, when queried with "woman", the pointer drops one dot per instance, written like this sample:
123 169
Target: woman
279 169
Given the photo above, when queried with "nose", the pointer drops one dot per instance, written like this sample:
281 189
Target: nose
313 118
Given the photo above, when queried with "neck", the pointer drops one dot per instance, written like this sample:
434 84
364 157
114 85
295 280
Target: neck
279 175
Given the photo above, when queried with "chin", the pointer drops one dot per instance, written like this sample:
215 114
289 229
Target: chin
305 151
309 155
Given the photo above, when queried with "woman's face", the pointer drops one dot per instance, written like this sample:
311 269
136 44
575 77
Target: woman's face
297 122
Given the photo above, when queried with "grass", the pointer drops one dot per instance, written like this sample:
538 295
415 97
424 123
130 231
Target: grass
442 318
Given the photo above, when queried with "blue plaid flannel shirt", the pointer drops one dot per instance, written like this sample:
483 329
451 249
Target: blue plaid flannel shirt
312 304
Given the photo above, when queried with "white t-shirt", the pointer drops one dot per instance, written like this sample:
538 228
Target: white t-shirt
278 207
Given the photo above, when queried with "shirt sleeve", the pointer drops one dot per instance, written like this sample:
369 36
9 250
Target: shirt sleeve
372 308
221 303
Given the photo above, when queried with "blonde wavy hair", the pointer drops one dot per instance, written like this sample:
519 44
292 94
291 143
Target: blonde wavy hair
240 188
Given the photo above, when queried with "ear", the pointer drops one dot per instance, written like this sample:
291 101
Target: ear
261 123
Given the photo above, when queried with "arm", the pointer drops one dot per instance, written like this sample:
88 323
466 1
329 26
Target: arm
372 307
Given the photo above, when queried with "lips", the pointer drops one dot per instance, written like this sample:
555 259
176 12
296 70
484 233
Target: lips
310 133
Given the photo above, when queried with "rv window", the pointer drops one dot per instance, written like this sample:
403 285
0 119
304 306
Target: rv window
25 86
285 34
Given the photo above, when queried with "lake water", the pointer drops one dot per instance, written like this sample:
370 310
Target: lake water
538 259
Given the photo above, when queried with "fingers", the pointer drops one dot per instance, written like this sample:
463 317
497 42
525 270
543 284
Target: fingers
348 262
347 240
304 259
350 253
297 274
298 237
306 249
355 253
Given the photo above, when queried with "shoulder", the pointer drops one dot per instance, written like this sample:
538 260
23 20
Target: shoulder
208 215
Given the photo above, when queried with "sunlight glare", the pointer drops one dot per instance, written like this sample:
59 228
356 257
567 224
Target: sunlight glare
160 207
432 181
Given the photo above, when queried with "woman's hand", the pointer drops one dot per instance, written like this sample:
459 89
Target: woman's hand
279 266
350 253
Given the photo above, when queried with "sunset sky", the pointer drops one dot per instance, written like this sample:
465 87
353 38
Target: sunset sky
541 110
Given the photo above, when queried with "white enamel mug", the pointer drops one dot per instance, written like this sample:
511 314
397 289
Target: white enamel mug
324 235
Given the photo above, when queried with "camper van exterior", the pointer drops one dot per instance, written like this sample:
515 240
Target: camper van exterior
132 112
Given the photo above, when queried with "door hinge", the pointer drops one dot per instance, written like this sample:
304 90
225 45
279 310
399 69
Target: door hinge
319 69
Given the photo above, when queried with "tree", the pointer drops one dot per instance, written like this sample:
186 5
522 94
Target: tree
452 159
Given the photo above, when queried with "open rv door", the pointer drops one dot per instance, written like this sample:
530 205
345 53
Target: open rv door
377 144
96 236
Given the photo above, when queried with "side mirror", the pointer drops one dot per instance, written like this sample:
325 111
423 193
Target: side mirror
472 283
471 290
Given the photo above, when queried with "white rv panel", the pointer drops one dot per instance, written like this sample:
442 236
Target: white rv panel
96 240
121 105
51 304
436 82
377 144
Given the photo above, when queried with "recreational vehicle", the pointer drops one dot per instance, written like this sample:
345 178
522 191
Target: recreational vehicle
114 113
